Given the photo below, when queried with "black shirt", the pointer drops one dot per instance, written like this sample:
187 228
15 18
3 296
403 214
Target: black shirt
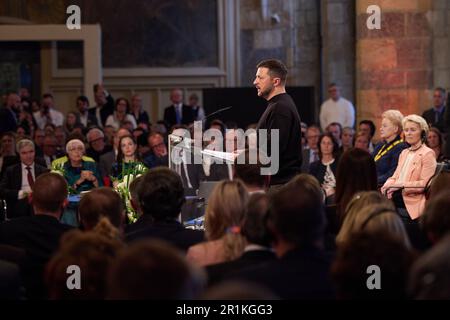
282 114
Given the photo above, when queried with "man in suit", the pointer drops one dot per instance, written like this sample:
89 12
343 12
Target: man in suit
40 233
435 115
158 155
257 236
87 119
9 113
178 112
161 195
104 107
296 221
311 152
19 179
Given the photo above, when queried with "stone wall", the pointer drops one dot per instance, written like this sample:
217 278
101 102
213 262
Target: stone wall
287 30
394 64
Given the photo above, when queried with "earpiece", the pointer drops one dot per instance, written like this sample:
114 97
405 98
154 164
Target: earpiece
424 136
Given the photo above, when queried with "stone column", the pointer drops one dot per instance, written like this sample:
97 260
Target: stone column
394 64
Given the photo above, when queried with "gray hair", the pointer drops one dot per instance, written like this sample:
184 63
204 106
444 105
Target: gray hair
74 142
394 116
24 143
92 131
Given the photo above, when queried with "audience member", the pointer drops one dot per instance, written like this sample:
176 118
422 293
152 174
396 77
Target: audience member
336 109
178 113
311 151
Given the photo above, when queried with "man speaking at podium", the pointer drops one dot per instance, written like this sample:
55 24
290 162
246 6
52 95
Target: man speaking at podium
281 114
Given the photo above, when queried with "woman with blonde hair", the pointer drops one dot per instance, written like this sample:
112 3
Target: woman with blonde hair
416 166
386 153
369 212
223 218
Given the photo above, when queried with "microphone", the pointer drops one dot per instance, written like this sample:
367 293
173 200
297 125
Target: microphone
218 111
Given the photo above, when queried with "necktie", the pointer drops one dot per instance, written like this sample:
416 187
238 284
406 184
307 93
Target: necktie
30 177
178 113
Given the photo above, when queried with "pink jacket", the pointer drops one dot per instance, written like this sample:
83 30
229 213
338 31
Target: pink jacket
421 169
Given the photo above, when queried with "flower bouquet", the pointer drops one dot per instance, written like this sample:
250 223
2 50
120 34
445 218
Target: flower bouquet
122 186
59 169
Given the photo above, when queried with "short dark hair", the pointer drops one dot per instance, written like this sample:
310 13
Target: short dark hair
249 173
83 99
254 227
98 203
47 95
371 125
49 192
297 213
161 193
441 90
276 68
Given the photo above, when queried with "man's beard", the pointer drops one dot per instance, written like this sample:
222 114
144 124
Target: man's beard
266 93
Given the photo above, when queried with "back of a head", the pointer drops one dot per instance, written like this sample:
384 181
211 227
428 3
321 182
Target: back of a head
373 218
101 202
436 219
356 172
238 290
151 270
254 228
161 193
429 278
49 193
350 270
93 253
226 208
296 212
439 183
248 169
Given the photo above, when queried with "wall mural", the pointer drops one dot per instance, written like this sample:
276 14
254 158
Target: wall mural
135 33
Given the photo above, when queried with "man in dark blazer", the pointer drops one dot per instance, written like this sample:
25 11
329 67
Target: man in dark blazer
435 116
40 233
161 196
296 221
87 118
18 181
178 112
105 105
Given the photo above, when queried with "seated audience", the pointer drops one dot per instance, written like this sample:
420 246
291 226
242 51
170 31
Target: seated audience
101 202
435 142
348 135
80 174
38 234
356 172
159 155
120 115
250 173
310 153
93 253
223 219
324 170
416 166
153 270
367 128
128 158
296 221
97 144
386 153
362 141
257 242
18 181
435 220
351 273
161 196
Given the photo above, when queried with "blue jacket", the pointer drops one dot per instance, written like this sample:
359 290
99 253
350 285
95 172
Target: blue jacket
387 164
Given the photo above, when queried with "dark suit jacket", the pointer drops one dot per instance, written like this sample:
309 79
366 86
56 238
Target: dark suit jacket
317 169
299 274
217 172
7 120
106 162
170 116
429 116
91 119
171 231
39 236
249 259
10 187
105 111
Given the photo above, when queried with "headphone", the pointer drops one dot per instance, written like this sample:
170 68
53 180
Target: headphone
374 214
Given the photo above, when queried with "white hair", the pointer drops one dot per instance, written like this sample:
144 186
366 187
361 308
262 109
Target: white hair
418 120
73 143
90 132
24 143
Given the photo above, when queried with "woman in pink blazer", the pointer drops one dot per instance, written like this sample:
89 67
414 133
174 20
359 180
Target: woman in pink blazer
416 165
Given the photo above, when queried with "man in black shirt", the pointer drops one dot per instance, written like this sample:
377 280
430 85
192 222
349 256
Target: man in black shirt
281 114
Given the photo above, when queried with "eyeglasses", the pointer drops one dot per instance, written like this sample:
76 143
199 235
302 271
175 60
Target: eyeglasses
96 140
158 145
81 149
